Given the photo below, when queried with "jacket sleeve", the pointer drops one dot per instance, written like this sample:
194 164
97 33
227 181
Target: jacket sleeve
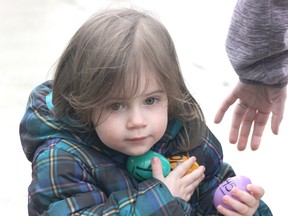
257 41
63 185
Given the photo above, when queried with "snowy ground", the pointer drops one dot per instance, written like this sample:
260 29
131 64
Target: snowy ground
32 35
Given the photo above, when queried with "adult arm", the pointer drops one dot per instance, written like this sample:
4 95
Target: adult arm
257 41
257 46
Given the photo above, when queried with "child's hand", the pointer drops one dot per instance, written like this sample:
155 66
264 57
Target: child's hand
179 184
249 202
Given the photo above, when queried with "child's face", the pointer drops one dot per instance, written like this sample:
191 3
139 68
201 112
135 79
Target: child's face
133 126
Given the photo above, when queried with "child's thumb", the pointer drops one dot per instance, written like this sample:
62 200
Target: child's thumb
157 169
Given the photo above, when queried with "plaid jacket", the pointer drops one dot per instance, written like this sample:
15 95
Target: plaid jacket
73 173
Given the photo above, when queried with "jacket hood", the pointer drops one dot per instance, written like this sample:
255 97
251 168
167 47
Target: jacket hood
38 125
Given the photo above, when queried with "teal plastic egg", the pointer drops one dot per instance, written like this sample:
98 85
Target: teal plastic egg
140 166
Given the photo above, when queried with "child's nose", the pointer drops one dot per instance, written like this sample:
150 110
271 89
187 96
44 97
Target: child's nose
136 119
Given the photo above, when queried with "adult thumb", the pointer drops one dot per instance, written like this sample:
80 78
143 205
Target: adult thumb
157 169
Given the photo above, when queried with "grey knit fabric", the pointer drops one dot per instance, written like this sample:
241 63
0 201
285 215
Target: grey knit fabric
257 41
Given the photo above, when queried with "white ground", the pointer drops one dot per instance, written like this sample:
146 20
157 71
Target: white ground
32 35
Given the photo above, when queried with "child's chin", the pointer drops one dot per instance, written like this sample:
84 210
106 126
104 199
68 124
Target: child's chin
137 153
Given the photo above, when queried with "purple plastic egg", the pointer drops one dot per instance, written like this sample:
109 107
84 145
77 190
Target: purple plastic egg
225 188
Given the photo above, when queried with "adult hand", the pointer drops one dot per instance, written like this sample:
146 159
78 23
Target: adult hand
256 102
179 184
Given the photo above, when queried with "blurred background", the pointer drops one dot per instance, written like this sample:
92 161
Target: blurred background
33 34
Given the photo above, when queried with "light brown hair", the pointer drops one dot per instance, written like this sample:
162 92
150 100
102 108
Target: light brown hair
106 57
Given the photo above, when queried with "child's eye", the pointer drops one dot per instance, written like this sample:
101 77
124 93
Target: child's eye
116 106
150 100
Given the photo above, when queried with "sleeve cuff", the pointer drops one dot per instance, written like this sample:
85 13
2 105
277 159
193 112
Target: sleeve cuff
252 82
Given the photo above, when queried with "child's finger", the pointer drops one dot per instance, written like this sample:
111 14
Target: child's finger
157 169
183 167
256 191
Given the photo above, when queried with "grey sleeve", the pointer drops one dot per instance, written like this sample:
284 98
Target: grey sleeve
257 41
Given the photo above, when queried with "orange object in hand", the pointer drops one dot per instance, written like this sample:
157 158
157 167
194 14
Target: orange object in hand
176 160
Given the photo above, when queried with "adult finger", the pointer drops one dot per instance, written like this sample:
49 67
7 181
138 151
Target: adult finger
238 114
259 126
278 106
246 125
224 107
277 116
